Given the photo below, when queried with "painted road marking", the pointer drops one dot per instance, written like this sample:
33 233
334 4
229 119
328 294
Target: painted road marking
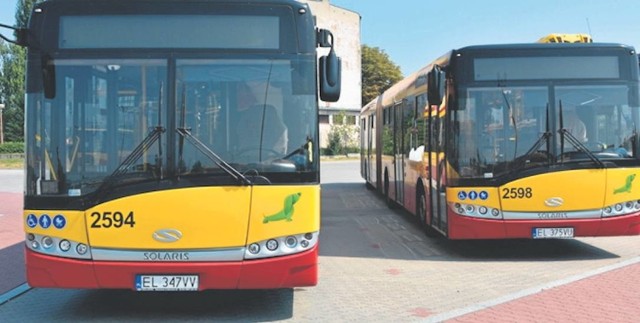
528 292
14 293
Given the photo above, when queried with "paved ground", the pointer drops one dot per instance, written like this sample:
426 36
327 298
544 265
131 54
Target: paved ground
376 265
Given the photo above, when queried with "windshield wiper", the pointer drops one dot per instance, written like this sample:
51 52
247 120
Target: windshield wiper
185 133
141 148
564 133
137 152
513 120
536 146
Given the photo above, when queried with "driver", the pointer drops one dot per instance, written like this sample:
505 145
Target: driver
574 125
259 127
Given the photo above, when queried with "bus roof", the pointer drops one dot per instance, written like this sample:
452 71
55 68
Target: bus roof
545 46
292 2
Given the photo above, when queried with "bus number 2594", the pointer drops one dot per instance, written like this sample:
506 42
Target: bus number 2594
115 219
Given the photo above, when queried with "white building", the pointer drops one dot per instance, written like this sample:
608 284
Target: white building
345 27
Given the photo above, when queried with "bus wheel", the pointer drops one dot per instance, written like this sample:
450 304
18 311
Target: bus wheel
421 212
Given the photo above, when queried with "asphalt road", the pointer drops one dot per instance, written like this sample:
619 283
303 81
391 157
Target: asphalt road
375 265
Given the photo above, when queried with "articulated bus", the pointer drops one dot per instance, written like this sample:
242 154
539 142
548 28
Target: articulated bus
173 145
526 141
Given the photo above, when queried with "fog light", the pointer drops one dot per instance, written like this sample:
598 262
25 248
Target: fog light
81 248
272 245
47 242
291 242
254 248
65 245
31 236
308 236
304 243
35 245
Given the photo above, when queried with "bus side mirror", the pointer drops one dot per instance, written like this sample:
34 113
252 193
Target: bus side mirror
330 69
435 88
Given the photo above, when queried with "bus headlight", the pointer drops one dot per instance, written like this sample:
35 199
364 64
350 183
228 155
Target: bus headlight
272 245
47 242
476 211
291 242
56 246
65 245
281 246
622 208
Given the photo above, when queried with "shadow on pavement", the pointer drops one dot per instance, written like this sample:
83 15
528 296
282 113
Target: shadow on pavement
356 217
125 305
12 270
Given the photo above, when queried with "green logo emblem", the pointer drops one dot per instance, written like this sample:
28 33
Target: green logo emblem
287 212
626 188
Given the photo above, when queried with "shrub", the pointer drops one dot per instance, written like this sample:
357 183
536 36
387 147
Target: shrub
12 148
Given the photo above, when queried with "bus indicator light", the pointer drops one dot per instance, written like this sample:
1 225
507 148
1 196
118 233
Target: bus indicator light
81 248
254 248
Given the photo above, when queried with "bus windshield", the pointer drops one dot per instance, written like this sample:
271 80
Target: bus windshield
519 127
128 117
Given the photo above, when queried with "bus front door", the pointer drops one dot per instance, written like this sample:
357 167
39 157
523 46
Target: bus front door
437 204
398 153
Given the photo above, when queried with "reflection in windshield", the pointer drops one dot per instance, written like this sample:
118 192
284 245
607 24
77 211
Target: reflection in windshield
112 120
502 130
251 113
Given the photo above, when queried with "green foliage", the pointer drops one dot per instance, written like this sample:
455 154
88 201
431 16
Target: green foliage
12 148
343 136
378 73
12 77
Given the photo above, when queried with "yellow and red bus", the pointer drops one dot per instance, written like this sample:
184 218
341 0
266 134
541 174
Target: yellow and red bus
173 145
512 141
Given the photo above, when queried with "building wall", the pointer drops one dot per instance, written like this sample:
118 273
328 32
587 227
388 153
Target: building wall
345 27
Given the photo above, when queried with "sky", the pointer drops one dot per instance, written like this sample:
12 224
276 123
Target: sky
415 32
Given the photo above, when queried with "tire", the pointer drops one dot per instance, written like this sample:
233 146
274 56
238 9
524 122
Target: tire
421 213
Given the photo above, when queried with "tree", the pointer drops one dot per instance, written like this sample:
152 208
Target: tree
343 136
12 76
378 72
